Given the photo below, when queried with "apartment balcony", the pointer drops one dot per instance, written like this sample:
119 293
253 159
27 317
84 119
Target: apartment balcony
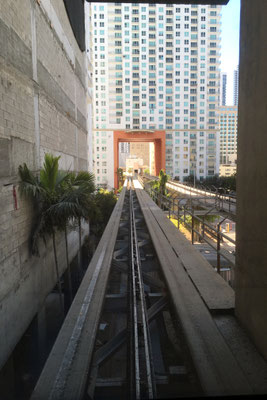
218 38
214 48
112 107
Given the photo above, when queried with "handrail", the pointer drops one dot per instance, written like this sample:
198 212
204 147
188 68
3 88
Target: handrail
187 185
170 204
224 202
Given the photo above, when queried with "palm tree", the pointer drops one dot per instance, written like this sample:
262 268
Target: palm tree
105 202
76 202
82 186
160 185
44 191
120 176
62 212
163 179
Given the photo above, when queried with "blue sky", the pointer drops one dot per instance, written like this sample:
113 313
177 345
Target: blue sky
230 43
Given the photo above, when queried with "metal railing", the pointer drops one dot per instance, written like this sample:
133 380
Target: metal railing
198 227
221 201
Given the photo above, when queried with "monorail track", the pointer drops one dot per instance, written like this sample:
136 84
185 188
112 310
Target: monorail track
148 368
141 324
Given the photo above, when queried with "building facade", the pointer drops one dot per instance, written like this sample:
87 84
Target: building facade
44 109
227 169
228 138
223 89
157 66
141 150
236 83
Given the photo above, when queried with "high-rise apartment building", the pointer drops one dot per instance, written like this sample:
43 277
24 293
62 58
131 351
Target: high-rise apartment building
236 80
223 89
228 135
157 67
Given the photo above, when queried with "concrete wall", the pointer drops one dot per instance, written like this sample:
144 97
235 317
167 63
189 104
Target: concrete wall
43 108
251 271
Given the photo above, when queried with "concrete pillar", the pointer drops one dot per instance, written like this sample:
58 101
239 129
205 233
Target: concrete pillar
41 333
159 156
251 260
7 380
67 291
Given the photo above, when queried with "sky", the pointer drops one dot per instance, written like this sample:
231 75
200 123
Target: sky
230 44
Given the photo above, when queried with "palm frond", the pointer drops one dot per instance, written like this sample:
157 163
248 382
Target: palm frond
65 210
48 174
62 196
86 180
29 185
62 178
39 230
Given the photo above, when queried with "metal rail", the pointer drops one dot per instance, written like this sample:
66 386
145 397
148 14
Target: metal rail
217 368
168 316
76 337
142 380
223 202
172 204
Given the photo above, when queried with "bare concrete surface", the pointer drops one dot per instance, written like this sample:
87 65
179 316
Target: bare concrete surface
251 248
245 352
235 337
42 110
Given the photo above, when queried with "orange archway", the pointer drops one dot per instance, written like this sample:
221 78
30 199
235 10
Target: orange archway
156 137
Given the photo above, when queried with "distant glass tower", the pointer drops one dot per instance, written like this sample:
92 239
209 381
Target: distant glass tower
236 74
223 88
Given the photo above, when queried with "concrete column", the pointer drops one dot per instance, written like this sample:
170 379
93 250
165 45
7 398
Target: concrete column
41 333
157 157
67 291
251 270
35 78
7 380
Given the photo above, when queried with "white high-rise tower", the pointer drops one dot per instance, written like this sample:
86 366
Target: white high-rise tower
157 66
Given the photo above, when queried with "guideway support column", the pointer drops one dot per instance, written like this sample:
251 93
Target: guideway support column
251 259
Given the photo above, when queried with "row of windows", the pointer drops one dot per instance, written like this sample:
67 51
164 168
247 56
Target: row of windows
160 10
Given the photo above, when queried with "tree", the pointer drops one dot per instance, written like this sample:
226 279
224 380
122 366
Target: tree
44 191
82 187
163 179
189 179
104 203
160 185
226 182
76 202
120 176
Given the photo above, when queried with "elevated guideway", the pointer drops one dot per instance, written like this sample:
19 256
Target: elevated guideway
151 319
224 203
